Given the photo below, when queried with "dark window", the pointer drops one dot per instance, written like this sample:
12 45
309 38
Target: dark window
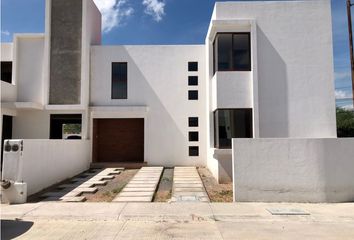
65 126
232 123
119 80
6 132
193 122
232 52
193 80
193 66
194 151
193 136
6 72
193 95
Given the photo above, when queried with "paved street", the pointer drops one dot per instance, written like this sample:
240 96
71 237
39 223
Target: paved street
49 220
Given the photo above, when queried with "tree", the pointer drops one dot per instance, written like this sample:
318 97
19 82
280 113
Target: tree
345 123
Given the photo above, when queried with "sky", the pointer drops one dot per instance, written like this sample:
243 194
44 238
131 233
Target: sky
166 22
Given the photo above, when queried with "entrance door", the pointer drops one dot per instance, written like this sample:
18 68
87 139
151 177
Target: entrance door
118 140
6 131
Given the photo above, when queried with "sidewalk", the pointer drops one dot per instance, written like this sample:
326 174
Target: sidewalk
48 220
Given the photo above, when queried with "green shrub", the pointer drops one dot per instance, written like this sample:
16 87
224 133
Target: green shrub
345 123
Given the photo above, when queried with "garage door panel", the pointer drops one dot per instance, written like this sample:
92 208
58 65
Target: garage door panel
119 140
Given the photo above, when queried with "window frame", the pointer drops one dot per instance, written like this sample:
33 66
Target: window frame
192 120
112 95
190 93
217 143
193 80
191 150
190 68
216 62
11 73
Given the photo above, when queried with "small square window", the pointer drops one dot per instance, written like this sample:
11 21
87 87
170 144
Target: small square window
194 151
193 66
193 95
193 136
193 122
193 80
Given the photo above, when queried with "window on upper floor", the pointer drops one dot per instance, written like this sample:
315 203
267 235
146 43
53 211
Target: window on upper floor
119 80
231 123
6 72
232 52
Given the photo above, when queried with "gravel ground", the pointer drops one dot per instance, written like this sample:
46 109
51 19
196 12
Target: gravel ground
164 189
108 192
217 192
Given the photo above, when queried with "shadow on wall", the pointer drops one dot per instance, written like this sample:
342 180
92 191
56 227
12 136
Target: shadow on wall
161 144
272 90
11 229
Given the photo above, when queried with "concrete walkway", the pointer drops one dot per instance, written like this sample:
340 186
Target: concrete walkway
142 186
58 220
187 186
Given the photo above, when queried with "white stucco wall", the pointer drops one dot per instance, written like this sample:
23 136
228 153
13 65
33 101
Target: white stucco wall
295 65
28 67
35 124
157 79
293 170
233 90
6 52
8 92
46 162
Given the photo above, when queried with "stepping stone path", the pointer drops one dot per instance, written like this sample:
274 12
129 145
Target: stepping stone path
85 183
142 186
187 186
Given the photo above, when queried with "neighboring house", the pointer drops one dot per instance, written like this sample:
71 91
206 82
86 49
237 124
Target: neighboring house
265 71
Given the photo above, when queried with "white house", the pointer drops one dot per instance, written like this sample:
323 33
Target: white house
265 71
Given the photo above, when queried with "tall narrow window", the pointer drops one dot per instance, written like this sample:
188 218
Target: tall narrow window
6 72
232 123
232 52
120 80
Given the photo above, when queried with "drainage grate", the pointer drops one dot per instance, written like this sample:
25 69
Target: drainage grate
287 211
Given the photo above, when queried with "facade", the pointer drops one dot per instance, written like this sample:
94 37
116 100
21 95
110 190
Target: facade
265 71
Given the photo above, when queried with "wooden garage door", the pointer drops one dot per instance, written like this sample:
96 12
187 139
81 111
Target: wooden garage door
118 140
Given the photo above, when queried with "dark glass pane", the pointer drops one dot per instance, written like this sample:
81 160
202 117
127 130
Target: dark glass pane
241 52
193 95
119 80
193 66
232 123
193 151
193 136
224 52
193 80
6 72
66 126
193 122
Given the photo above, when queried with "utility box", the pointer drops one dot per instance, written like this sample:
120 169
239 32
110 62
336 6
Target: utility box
13 189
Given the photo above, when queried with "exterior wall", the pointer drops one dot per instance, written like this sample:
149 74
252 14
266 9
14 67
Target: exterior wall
8 92
39 122
28 67
6 52
46 162
157 79
233 90
293 170
295 65
292 87
65 51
